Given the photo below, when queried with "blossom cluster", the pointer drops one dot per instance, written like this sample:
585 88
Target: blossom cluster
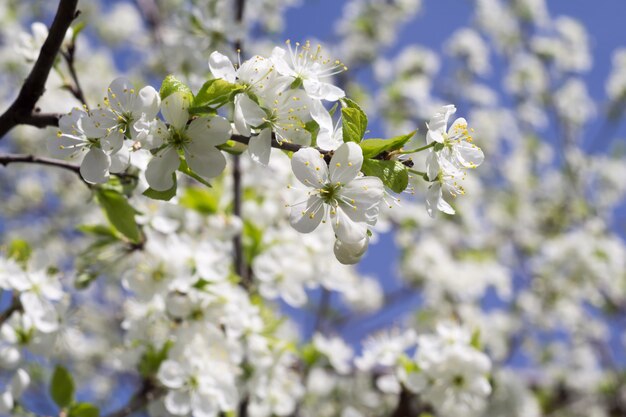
268 101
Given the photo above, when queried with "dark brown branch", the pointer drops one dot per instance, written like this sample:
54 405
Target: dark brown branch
16 305
41 120
285 146
6 159
33 87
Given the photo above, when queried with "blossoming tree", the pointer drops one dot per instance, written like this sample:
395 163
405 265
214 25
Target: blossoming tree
185 243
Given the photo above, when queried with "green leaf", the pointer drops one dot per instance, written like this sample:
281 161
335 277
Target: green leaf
83 410
374 147
354 121
200 199
19 250
173 85
252 241
120 213
97 230
475 341
215 93
152 358
62 387
184 168
166 195
393 174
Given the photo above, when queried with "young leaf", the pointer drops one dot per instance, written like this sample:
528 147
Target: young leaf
173 85
200 199
152 358
83 410
120 213
354 121
166 195
215 93
393 174
373 147
19 250
62 387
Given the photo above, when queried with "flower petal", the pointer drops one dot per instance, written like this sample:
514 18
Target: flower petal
208 164
247 113
174 108
346 229
346 163
171 374
147 103
309 167
307 215
160 169
221 67
260 147
178 402
95 166
209 132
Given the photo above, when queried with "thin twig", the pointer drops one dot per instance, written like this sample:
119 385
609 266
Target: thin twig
285 146
239 261
33 87
6 159
76 89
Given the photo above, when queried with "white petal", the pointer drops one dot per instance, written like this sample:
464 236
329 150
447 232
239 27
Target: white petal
321 116
309 167
469 155
120 160
293 293
432 165
178 402
350 253
6 402
120 96
247 113
147 103
204 405
112 142
280 63
346 229
322 91
174 108
307 215
260 147
160 169
208 164
95 166
208 132
346 163
361 199
221 67
171 375
19 383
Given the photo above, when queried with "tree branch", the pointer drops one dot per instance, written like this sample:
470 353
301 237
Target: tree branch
6 159
285 146
33 87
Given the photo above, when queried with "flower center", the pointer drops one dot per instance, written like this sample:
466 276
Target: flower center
329 193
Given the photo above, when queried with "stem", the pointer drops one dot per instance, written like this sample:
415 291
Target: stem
6 159
423 148
420 173
285 146
34 86
76 90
